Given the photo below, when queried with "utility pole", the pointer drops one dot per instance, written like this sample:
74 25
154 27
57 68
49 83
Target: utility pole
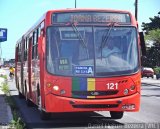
136 9
75 3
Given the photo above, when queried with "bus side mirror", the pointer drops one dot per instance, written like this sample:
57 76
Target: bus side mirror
142 43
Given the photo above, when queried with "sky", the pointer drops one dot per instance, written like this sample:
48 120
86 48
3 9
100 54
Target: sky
19 15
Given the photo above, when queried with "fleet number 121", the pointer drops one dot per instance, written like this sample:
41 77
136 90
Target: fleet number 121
112 86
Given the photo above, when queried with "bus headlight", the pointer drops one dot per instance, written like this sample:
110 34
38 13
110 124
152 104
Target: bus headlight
55 88
132 87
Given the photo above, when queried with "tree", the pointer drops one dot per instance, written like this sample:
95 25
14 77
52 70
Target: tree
152 33
153 56
154 24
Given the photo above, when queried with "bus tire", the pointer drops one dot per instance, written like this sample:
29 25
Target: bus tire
44 115
116 114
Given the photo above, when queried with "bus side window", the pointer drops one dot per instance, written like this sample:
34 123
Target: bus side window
24 55
33 44
25 49
36 44
16 56
39 31
19 52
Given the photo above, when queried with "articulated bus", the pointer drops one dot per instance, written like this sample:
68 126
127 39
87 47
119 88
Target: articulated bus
80 60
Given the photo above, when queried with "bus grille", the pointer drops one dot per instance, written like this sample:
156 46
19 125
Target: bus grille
96 106
94 93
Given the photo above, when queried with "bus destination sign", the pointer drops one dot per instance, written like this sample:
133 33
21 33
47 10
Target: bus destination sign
91 17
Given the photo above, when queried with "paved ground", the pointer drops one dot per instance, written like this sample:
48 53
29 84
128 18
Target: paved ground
5 112
148 81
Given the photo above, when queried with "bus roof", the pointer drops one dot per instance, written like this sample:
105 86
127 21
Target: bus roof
88 9
42 18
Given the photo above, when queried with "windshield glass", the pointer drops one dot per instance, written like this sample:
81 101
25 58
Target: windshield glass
83 51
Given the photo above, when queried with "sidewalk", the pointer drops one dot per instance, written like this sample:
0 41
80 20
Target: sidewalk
5 111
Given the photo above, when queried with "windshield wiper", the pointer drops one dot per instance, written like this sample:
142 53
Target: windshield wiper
106 37
79 35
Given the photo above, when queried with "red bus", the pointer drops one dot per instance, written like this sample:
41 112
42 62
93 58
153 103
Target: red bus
80 60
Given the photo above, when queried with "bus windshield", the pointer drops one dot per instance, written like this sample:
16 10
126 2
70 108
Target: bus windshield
85 52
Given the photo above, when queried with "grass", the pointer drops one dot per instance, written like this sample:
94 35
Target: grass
5 88
4 76
16 122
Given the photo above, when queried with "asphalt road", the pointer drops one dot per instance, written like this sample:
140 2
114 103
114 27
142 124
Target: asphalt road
147 118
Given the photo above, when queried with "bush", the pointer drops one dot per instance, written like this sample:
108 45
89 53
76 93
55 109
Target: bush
5 88
157 70
4 76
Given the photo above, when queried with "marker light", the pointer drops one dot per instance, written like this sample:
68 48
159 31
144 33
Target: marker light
56 88
125 92
132 87
62 92
49 84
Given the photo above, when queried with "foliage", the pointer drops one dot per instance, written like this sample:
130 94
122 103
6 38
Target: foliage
154 35
4 76
152 29
154 24
16 123
5 88
152 57
157 70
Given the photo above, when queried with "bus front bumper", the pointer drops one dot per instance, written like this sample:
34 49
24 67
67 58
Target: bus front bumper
59 104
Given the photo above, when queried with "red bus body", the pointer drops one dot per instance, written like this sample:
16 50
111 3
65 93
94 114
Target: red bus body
55 93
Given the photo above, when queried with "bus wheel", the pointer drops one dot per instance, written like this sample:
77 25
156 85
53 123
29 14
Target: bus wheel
44 115
20 95
116 115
